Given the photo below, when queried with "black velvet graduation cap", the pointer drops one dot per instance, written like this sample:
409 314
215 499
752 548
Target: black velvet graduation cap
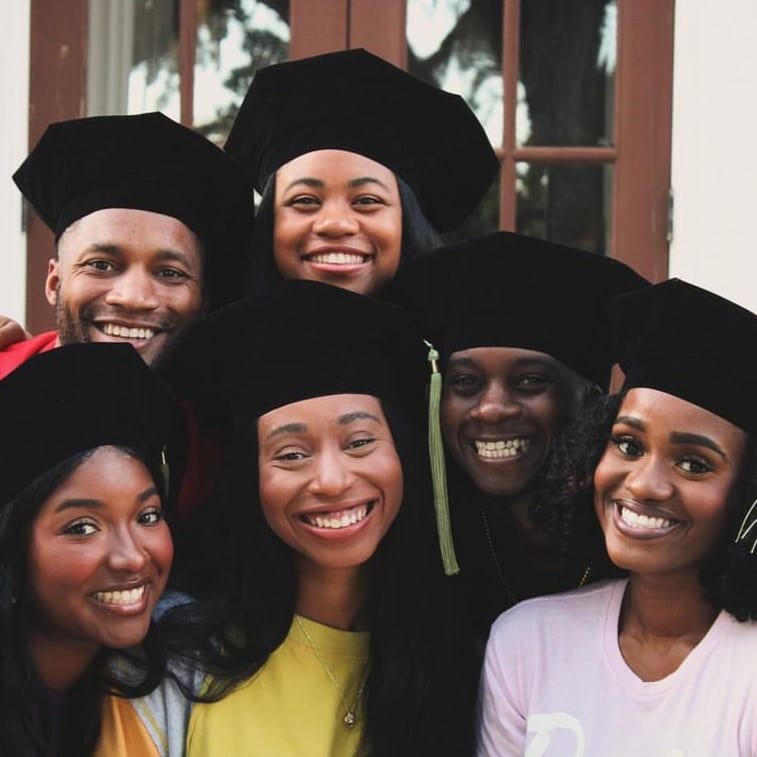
354 101
297 340
508 290
73 399
301 339
146 162
691 343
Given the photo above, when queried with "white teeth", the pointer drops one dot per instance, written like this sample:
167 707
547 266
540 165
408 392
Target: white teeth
121 597
126 332
339 519
636 520
337 258
502 449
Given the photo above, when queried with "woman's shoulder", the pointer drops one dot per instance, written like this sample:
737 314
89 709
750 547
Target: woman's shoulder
566 609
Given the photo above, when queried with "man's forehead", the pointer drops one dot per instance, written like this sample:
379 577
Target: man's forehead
114 230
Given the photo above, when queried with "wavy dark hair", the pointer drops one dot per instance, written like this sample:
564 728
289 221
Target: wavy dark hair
22 694
418 235
420 691
728 575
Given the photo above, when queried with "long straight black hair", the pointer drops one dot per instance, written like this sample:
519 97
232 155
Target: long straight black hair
420 692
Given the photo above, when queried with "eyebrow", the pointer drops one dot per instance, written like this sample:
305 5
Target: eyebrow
629 420
358 415
301 428
287 428
97 504
360 181
682 437
677 437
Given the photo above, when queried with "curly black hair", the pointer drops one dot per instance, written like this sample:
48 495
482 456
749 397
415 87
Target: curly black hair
565 510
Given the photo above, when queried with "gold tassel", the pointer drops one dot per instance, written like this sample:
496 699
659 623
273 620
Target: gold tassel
438 467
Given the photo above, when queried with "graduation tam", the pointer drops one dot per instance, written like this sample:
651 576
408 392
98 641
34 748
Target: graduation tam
297 340
76 398
354 101
145 162
691 343
509 290
302 339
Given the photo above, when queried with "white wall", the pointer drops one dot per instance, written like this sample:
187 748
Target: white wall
714 164
14 84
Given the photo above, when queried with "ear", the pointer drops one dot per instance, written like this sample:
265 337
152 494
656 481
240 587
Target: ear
52 281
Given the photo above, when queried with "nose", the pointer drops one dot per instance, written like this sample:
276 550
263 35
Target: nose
332 475
126 554
336 219
495 405
649 480
134 289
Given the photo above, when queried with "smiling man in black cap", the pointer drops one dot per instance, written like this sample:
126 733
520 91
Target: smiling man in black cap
152 224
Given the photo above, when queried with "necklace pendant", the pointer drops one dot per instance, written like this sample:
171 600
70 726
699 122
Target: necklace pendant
350 719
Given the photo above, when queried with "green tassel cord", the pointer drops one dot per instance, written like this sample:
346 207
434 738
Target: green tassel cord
438 467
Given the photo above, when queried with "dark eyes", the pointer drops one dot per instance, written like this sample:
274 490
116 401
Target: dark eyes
533 381
627 446
694 465
464 383
468 383
151 517
631 448
87 527
80 528
101 266
360 443
310 202
108 266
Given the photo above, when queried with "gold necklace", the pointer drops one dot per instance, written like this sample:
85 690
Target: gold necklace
350 713
493 554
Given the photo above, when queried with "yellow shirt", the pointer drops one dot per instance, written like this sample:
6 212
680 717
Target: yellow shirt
122 733
290 708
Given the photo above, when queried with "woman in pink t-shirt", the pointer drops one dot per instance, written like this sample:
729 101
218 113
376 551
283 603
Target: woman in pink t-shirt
664 661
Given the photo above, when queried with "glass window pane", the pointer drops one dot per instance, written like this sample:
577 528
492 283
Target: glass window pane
132 57
565 202
234 39
457 45
567 73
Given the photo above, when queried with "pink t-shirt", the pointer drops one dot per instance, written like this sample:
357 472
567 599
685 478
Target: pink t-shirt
555 684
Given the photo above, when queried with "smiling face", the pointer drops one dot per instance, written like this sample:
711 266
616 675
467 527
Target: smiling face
330 478
501 409
662 484
126 275
98 560
337 219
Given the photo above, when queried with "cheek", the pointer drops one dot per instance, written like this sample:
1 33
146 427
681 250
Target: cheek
606 475
159 545
54 571
451 413
273 489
